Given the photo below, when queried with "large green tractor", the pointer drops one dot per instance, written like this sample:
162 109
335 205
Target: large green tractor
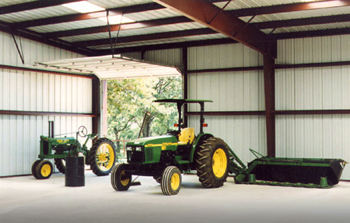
165 157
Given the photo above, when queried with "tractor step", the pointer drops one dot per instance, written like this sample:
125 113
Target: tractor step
136 183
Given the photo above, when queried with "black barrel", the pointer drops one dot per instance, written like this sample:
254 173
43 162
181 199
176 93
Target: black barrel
75 171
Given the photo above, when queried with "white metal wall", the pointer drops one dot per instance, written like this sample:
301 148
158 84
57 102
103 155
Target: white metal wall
319 136
230 91
165 57
325 136
30 91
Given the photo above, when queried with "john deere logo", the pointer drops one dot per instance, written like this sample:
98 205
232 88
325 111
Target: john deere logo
62 141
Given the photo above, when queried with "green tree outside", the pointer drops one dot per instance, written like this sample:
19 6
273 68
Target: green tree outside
130 106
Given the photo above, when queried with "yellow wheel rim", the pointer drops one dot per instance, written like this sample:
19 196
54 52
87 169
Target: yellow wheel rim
219 163
124 180
105 156
175 181
45 170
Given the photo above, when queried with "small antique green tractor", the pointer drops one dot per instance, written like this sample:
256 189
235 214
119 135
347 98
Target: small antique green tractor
101 157
165 157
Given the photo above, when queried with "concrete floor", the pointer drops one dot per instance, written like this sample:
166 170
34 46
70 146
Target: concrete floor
25 199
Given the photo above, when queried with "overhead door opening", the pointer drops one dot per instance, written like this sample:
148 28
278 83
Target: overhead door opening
128 87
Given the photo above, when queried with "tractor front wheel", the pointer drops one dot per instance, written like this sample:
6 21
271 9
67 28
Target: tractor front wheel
34 166
212 162
42 169
102 157
120 179
171 181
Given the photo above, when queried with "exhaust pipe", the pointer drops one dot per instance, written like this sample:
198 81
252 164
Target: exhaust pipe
51 129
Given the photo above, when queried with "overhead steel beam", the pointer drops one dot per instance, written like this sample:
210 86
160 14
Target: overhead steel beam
289 7
223 22
33 5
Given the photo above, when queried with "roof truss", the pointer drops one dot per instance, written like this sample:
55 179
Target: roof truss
129 43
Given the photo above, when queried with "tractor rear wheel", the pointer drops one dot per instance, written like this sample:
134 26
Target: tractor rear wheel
102 157
120 179
212 162
60 165
171 181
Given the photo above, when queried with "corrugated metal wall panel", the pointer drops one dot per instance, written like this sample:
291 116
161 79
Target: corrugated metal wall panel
314 88
166 57
230 91
239 132
20 135
30 91
314 136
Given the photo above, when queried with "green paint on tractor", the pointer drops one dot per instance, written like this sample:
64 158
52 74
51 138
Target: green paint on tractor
165 157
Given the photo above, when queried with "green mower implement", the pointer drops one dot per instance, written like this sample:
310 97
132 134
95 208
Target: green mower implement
101 156
166 157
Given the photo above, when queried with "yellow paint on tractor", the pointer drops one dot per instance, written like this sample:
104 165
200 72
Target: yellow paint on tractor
163 145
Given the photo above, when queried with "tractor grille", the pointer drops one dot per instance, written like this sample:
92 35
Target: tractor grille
149 154
135 156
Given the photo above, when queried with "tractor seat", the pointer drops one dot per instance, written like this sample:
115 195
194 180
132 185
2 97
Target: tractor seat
186 136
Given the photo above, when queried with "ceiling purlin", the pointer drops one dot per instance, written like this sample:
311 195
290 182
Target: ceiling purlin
32 5
146 37
303 21
314 33
6 27
84 16
289 7
126 26
166 46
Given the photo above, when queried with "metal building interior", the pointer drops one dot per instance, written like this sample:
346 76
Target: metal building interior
277 71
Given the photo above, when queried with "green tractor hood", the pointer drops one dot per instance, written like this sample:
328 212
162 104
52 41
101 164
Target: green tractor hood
148 150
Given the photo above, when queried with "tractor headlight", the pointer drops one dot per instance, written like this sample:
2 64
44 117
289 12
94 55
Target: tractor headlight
139 149
129 148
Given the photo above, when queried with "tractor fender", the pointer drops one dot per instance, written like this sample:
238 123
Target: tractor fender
198 141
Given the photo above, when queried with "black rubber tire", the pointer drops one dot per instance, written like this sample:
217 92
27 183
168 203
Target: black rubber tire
120 179
102 169
44 169
205 164
60 165
35 164
169 185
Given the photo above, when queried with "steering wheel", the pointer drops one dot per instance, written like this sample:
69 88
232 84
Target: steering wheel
82 131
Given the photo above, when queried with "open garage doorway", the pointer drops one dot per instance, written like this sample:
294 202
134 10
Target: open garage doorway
128 87
131 113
